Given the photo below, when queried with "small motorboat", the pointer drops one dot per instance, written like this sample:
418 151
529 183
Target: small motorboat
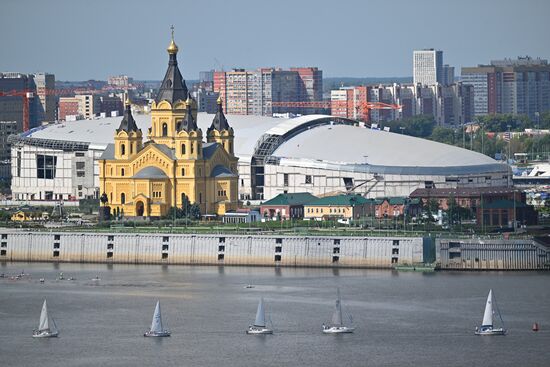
248 286
157 330
487 327
42 280
259 327
337 326
44 330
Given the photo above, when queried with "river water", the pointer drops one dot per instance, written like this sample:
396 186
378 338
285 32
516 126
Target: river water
401 318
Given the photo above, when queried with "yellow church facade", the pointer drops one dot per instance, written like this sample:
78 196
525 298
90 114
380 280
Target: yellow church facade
146 179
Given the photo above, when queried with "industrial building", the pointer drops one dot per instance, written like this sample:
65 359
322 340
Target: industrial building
318 154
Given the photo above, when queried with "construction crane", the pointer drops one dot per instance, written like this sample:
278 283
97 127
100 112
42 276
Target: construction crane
25 95
363 107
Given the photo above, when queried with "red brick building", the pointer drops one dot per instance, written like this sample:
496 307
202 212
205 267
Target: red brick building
67 107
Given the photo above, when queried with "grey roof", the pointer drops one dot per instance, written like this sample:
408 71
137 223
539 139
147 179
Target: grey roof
109 152
222 171
208 149
150 172
163 148
173 86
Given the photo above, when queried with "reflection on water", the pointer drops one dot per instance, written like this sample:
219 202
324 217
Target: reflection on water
401 318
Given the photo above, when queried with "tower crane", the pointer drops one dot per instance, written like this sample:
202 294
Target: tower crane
25 95
363 107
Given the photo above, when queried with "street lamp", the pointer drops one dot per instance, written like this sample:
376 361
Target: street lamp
509 143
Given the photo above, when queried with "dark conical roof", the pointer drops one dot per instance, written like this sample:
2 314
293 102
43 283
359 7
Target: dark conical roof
173 86
219 122
128 123
189 124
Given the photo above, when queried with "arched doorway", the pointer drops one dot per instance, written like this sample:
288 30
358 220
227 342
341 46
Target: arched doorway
140 208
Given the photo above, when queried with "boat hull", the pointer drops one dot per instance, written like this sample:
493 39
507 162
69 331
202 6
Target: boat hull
338 330
45 334
490 332
254 330
157 334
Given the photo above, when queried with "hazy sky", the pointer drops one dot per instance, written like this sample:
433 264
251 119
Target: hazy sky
79 40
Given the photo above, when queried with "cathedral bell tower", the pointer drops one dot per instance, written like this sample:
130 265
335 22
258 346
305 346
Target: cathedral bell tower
169 107
188 135
128 138
220 132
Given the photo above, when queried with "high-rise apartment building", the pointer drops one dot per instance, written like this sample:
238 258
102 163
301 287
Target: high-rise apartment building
519 86
448 75
449 105
427 66
253 92
46 102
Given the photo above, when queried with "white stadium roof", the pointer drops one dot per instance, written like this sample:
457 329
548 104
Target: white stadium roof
100 132
351 144
308 141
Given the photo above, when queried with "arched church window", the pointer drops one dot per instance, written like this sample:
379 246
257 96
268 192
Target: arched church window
123 198
183 171
164 129
230 147
183 149
192 148
131 148
122 149
122 171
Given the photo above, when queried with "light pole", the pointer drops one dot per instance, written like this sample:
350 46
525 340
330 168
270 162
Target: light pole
509 143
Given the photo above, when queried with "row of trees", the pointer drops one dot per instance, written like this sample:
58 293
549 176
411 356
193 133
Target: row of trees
485 139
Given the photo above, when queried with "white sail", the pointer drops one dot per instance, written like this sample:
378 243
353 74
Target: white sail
260 314
44 322
156 325
488 315
337 315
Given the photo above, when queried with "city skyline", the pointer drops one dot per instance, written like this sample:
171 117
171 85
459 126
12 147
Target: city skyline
104 38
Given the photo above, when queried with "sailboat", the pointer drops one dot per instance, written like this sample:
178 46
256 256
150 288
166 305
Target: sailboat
156 326
487 325
337 326
44 330
259 326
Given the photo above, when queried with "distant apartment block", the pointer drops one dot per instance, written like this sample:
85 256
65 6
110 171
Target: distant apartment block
68 108
41 98
427 67
449 105
110 106
46 102
519 86
448 75
89 105
253 92
206 100
120 81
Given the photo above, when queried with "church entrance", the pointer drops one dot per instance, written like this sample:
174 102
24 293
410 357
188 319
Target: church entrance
139 208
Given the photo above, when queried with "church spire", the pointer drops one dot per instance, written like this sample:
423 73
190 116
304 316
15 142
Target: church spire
173 86
188 124
128 123
219 122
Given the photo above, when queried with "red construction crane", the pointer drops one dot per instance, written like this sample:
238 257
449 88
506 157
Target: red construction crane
360 107
25 94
